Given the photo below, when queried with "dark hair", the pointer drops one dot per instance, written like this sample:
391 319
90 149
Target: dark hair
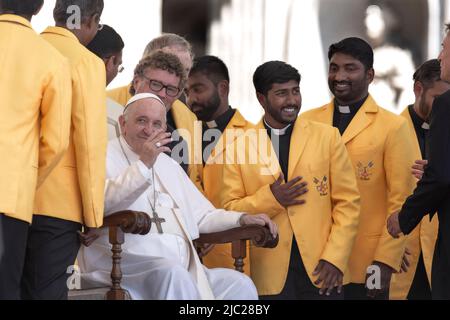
273 72
87 8
211 66
355 47
106 42
22 7
160 60
428 73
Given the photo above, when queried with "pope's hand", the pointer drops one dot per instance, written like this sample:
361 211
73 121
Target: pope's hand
259 219
155 144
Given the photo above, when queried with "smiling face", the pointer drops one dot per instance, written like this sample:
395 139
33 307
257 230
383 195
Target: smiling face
348 78
146 84
141 119
281 104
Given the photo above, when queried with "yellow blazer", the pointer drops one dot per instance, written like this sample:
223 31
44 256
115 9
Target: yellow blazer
35 94
185 122
220 256
75 189
324 227
382 151
421 239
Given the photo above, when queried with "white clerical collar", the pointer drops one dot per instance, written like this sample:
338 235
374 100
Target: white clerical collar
278 132
425 126
344 109
211 124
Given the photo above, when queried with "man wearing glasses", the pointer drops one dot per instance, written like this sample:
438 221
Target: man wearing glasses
179 117
163 74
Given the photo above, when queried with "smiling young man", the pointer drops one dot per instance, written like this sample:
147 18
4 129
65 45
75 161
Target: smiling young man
382 152
316 226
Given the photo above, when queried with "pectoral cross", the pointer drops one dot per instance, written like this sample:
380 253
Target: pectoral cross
158 221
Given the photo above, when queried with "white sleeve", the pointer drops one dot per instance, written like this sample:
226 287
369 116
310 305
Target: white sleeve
207 217
124 189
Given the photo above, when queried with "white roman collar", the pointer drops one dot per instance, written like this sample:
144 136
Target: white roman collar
278 132
211 124
344 109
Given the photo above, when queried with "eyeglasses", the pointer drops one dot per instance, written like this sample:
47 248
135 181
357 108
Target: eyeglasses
157 86
120 69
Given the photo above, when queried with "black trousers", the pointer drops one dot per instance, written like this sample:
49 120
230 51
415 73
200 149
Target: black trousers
13 241
298 286
420 287
440 277
51 249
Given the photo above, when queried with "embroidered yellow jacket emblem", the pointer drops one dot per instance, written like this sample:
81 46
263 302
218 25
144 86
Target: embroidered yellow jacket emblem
364 172
321 185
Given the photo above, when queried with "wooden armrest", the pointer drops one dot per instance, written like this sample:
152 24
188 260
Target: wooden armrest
259 235
128 221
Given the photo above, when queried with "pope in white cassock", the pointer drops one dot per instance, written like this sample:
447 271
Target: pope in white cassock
164 263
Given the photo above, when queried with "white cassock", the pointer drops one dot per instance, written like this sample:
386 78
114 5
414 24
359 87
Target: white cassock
161 266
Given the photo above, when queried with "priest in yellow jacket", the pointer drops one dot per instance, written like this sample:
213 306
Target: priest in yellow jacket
179 116
299 173
73 194
382 152
35 90
207 90
415 283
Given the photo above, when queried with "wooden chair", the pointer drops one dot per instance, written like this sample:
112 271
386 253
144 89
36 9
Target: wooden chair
134 222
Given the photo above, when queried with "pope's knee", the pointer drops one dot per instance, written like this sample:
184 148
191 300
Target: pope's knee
177 282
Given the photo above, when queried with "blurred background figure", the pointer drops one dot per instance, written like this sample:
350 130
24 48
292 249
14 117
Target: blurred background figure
393 65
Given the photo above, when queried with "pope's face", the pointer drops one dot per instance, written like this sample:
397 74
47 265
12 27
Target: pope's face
142 118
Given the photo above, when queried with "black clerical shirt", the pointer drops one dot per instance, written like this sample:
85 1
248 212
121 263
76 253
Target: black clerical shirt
421 128
182 158
282 151
342 120
218 124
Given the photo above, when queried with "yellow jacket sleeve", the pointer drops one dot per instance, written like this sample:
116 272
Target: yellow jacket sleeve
55 119
90 137
234 196
398 159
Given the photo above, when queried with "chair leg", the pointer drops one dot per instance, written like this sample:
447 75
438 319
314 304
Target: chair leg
239 252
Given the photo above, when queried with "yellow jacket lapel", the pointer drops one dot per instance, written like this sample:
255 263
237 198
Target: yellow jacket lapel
362 120
299 140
